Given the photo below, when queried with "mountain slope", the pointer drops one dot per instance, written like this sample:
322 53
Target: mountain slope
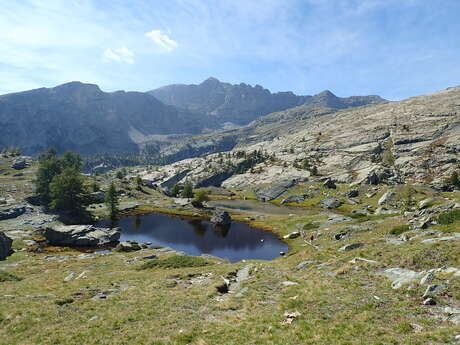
242 103
414 140
82 118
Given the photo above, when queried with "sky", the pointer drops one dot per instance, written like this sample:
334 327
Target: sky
393 48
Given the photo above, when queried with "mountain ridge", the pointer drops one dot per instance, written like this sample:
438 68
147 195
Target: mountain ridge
244 103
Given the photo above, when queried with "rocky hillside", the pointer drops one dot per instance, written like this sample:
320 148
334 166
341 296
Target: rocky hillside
82 118
414 140
242 103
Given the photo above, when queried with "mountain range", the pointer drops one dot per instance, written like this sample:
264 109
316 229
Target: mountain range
82 118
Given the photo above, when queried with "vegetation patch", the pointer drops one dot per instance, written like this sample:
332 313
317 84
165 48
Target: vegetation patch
398 230
8 277
176 261
449 217
310 226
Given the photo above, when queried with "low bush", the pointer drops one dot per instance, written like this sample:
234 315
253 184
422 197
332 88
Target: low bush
176 261
398 230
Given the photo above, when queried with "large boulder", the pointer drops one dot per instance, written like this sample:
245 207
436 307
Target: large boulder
12 212
330 184
81 235
273 191
330 203
293 198
97 197
387 196
5 246
19 164
221 218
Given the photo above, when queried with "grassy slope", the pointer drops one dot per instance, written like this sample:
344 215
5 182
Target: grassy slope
339 302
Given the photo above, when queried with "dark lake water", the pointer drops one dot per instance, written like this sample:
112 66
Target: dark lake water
195 237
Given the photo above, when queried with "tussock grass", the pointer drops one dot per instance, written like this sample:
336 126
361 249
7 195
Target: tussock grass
5 277
175 261
398 230
449 217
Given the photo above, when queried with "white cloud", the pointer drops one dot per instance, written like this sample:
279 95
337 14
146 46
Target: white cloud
122 54
162 40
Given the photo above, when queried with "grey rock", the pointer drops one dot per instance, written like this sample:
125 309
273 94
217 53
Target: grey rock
429 277
352 246
220 217
19 164
433 290
292 235
81 235
454 237
293 198
425 203
341 234
302 265
330 203
274 191
402 276
429 301
386 197
128 246
353 193
12 212
5 246
97 197
329 184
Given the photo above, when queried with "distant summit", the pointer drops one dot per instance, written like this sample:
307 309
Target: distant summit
243 103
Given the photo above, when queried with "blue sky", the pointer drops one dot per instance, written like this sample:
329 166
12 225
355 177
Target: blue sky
394 48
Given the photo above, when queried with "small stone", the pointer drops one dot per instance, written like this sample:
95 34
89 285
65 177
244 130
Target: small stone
329 184
302 265
433 290
292 235
70 277
221 218
429 301
351 247
429 277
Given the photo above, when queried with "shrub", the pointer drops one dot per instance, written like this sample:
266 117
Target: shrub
449 217
176 261
310 226
6 277
398 230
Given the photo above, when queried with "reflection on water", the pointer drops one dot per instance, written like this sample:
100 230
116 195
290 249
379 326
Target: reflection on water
195 237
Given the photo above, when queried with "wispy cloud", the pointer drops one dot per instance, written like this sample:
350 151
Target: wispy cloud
122 54
390 47
162 40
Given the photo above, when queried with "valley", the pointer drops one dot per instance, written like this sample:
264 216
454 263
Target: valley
343 229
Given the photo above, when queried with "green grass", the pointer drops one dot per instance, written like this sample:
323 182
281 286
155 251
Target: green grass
8 277
398 230
449 217
176 261
310 226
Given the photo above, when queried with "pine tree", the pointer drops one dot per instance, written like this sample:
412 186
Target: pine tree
188 191
67 192
49 168
454 180
138 182
111 200
175 190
